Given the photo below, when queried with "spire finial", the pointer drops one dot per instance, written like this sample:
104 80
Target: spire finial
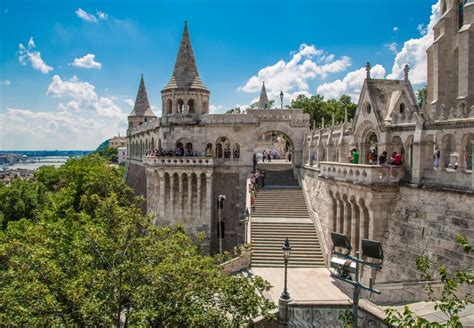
263 99
368 68
406 69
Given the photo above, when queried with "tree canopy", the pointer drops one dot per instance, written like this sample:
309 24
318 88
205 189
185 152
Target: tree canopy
317 107
83 253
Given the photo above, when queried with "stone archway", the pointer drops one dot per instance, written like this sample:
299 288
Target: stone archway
275 145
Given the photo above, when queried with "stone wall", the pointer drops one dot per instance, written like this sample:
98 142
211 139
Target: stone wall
136 178
423 221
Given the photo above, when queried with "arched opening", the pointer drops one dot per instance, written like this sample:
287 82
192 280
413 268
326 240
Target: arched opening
236 151
191 106
188 149
368 108
274 145
223 148
402 108
467 147
179 151
180 104
448 148
205 108
159 144
152 143
169 106
461 13
209 150
370 149
397 146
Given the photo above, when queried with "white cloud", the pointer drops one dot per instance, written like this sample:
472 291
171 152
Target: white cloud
25 129
85 16
129 101
215 109
88 61
351 84
395 28
392 47
413 52
292 77
422 29
5 82
102 15
33 57
82 95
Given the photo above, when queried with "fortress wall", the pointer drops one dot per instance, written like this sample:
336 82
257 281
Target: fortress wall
136 178
422 222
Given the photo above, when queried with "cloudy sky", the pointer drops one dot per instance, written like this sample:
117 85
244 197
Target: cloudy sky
69 70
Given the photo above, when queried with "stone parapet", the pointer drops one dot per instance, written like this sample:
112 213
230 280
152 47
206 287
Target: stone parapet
361 174
178 161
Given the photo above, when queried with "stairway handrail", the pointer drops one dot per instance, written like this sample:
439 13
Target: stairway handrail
248 205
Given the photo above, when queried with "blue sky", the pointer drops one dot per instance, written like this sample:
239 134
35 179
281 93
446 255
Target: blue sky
69 70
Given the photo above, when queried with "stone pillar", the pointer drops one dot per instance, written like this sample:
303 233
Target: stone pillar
355 228
472 160
340 216
347 218
190 195
161 204
198 195
180 195
172 203
422 160
208 210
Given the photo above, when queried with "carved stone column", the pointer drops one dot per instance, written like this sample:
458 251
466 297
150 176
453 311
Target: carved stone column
355 227
180 195
198 195
190 195
161 204
172 202
347 218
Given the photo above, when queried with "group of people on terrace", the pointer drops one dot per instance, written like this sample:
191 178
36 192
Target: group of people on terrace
373 159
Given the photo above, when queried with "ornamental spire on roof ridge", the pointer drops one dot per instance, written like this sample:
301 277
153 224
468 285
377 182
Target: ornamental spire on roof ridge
263 100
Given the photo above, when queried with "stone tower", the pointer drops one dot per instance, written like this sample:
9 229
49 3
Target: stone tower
450 68
263 100
185 92
141 112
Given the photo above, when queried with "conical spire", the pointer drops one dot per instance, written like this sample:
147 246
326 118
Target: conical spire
142 105
185 73
263 100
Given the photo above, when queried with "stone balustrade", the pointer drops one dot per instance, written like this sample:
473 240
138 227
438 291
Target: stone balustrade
361 174
176 161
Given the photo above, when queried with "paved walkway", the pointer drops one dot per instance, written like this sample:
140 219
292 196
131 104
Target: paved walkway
304 284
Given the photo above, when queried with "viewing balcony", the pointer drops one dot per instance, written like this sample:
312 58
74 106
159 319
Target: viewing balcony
362 173
178 161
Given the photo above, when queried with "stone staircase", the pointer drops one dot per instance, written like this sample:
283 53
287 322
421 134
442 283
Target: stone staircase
281 212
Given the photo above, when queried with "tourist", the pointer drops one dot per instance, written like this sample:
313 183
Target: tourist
262 178
254 162
436 157
257 177
355 156
264 156
383 158
396 159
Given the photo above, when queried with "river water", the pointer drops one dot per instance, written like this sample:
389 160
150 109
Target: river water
55 161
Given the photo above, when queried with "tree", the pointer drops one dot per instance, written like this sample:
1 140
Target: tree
235 110
108 152
92 258
450 303
318 108
422 95
270 105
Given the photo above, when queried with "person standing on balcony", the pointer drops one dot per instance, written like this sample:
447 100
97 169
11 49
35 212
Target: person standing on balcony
355 156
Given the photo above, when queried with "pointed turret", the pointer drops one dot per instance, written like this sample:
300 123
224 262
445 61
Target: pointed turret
141 111
263 100
185 93
185 73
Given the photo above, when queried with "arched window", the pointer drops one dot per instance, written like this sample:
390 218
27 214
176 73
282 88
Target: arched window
223 148
209 152
219 153
402 108
368 108
191 106
169 106
461 13
236 151
188 149
180 106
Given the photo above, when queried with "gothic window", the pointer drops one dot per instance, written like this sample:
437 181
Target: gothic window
236 151
219 150
180 106
191 106
368 108
402 108
209 152
169 106
223 148
461 13
146 119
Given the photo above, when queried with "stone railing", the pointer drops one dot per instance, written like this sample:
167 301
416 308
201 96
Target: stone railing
237 263
178 161
361 173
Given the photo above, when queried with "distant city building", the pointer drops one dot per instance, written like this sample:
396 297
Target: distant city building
118 141
122 154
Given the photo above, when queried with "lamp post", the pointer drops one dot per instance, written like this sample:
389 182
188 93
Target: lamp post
245 221
220 205
285 296
281 98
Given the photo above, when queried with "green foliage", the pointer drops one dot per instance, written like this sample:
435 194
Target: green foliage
422 95
317 107
270 105
88 256
235 110
450 303
108 152
347 318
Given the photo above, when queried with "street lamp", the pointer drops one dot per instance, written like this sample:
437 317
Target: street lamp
346 265
281 98
286 255
285 296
